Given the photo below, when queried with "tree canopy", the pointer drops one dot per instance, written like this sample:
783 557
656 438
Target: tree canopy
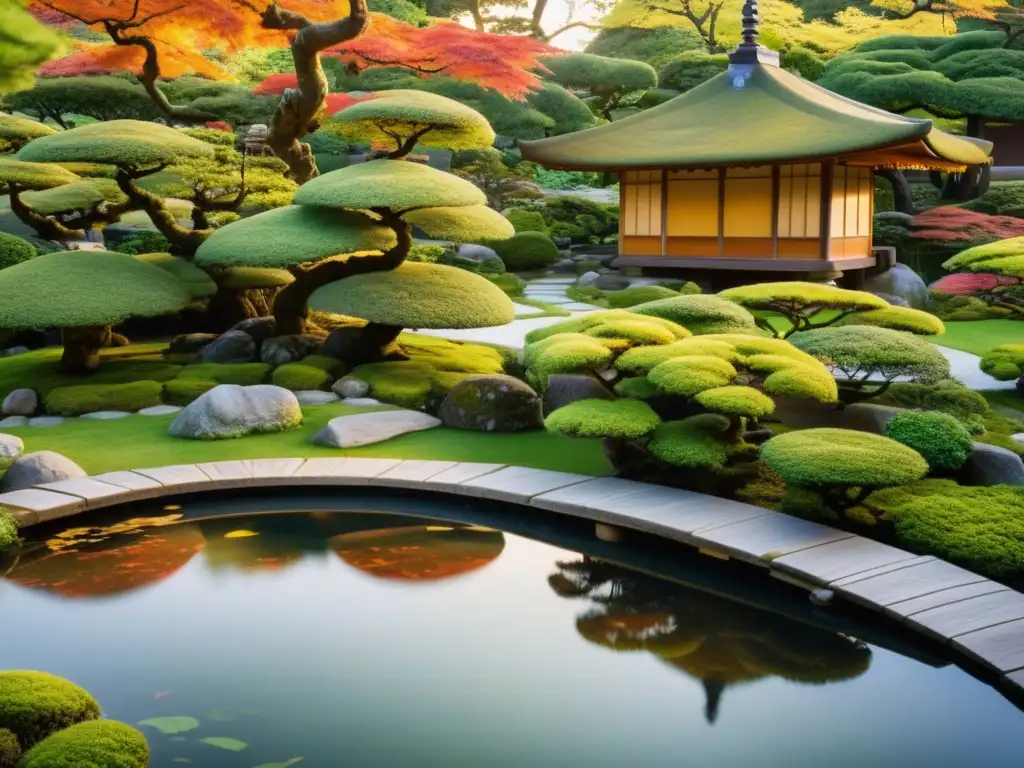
24 45
129 144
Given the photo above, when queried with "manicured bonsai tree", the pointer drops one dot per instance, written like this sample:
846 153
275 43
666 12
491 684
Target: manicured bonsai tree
993 273
34 705
702 314
836 469
16 131
95 743
803 306
940 438
614 85
898 319
84 294
14 250
867 360
81 205
415 295
400 120
348 222
18 177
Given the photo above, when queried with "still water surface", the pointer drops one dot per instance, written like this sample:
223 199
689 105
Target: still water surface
322 640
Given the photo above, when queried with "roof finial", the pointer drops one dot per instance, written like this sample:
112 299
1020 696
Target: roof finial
750 22
748 51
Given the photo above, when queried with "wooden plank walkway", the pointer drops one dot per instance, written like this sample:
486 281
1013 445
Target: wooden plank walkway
980 618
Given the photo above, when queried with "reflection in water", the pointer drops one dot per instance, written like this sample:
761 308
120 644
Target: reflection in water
717 641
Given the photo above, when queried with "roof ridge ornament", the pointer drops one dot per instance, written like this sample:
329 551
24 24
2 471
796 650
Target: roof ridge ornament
749 51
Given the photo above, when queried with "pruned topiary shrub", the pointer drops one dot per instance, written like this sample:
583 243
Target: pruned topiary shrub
841 466
702 314
96 744
89 398
526 251
942 440
527 221
801 306
1005 362
14 250
898 319
35 704
638 294
623 419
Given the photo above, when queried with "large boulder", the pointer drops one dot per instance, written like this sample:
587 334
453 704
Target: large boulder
230 347
899 285
259 328
39 467
21 402
612 281
588 279
230 410
992 465
492 403
564 388
367 428
278 350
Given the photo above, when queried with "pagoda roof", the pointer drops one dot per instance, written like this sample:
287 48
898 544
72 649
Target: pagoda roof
758 114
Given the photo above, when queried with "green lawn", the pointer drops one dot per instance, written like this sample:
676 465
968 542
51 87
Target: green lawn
978 336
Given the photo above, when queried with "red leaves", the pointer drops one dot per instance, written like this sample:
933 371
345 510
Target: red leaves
957 224
339 101
218 125
275 85
970 284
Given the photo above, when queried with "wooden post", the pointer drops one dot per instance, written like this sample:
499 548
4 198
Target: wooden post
826 210
776 185
664 213
721 212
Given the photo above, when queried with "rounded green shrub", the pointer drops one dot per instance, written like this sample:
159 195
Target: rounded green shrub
638 294
687 376
184 391
88 398
854 351
96 744
565 353
737 400
942 440
899 319
298 377
826 457
639 331
701 314
406 383
8 529
527 221
14 250
1005 362
694 443
642 360
35 704
629 419
526 251
332 365
9 749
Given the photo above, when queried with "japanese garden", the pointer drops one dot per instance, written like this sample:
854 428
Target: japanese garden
385 382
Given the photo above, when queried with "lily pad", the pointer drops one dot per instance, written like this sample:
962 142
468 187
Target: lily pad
172 725
223 742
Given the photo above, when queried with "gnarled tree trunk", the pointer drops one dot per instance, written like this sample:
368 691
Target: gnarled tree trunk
903 200
184 242
47 226
82 347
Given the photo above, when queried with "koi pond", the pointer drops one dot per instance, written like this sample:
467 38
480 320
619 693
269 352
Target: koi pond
261 632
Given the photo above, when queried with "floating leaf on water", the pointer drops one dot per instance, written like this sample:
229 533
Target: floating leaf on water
285 764
173 724
240 534
223 742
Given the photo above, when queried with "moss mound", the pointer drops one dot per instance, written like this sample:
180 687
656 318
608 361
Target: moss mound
8 529
243 374
1005 362
526 251
96 744
632 419
14 250
124 143
942 440
298 377
694 443
88 398
184 391
638 294
35 704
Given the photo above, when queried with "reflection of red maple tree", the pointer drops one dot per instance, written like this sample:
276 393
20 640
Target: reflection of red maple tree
419 554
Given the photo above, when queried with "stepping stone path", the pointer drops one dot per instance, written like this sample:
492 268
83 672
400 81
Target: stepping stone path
14 421
160 410
552 290
45 421
105 415
315 397
362 402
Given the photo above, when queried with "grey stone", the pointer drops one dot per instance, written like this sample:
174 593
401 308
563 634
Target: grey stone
613 281
160 410
478 253
12 351
315 397
992 465
350 386
561 241
11 447
279 350
563 266
105 415
1018 438
902 282
259 328
229 410
14 421
362 402
46 421
190 343
37 468
368 428
822 596
230 347
344 343
565 388
20 402
492 403
863 417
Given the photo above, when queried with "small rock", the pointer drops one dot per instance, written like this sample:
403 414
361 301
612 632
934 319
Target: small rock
478 253
259 328
492 403
159 410
14 421
588 279
230 410
564 266
350 386
613 281
565 388
230 347
45 421
349 343
105 415
190 343
1018 438
315 397
362 402
37 468
21 402
822 596
367 428
12 351
11 447
992 465
278 350
561 241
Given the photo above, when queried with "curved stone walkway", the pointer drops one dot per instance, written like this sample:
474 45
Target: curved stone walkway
980 618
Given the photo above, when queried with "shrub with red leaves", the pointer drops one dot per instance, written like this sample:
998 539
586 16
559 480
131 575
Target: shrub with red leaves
219 125
275 85
949 224
971 284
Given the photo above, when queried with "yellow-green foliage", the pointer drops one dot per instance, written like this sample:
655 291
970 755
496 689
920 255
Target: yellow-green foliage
198 281
854 351
899 319
124 143
702 314
566 353
465 224
292 235
643 360
96 744
639 331
393 184
827 458
298 377
1013 246
88 398
243 374
78 196
628 419
801 302
406 383
418 295
942 440
10 751
15 130
78 288
1005 362
14 250
686 376
980 528
695 443
638 294
243 278
525 251
637 387
810 381
402 113
454 356
25 175
331 365
8 529
184 391
35 704
737 400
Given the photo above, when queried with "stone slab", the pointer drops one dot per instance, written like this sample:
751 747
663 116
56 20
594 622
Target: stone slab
907 583
47 505
882 569
160 410
412 473
906 608
315 397
341 471
227 474
587 495
46 421
272 472
131 480
183 477
1015 681
452 479
1000 647
94 492
519 483
959 618
105 415
839 559
763 538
